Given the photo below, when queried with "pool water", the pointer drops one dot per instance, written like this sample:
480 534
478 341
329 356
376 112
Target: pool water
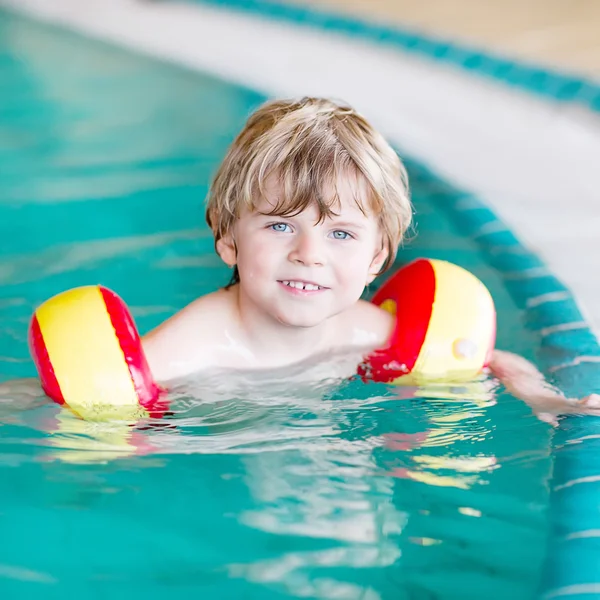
253 491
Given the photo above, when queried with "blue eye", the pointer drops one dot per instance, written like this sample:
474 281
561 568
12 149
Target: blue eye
338 234
280 227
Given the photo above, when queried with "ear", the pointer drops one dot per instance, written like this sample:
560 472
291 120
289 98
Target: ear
376 264
227 250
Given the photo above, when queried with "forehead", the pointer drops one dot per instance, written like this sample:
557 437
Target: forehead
346 195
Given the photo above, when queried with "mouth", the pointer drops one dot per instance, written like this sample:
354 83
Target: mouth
302 286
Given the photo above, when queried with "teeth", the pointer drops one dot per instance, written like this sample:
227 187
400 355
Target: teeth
309 287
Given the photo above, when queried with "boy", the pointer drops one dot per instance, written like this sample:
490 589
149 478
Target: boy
309 205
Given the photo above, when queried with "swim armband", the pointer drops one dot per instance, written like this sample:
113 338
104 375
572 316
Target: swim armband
445 326
89 355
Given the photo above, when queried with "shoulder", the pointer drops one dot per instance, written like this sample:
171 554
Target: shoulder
368 325
206 309
185 342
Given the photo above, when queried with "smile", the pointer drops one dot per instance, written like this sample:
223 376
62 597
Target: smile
303 286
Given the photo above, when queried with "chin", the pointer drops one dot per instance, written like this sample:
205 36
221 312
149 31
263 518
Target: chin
301 321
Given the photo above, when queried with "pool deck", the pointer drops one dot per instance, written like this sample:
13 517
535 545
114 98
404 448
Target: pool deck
534 161
557 33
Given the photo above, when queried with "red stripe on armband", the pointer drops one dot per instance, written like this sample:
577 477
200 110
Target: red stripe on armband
131 345
39 352
412 290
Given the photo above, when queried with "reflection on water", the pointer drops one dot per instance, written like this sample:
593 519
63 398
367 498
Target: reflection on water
322 488
332 481
265 412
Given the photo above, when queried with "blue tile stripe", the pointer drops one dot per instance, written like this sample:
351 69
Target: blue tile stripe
551 84
573 559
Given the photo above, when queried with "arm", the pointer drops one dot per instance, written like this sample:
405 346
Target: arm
21 394
188 341
169 349
523 380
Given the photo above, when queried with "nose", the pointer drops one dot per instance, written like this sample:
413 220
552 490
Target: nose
308 250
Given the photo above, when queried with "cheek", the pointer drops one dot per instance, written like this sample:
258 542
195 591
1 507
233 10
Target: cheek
256 257
356 259
353 268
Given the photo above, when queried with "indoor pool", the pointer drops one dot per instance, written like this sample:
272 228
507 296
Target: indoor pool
329 491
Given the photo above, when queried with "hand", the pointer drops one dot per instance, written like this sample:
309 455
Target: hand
523 380
589 405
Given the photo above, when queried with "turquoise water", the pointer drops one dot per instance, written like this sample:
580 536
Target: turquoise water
351 491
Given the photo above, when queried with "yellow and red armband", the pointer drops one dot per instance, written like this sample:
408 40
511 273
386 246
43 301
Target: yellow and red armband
89 355
445 326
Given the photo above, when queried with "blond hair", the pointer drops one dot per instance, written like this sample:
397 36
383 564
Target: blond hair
308 144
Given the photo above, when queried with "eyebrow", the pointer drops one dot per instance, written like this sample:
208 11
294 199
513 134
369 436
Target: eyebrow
334 223
350 224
